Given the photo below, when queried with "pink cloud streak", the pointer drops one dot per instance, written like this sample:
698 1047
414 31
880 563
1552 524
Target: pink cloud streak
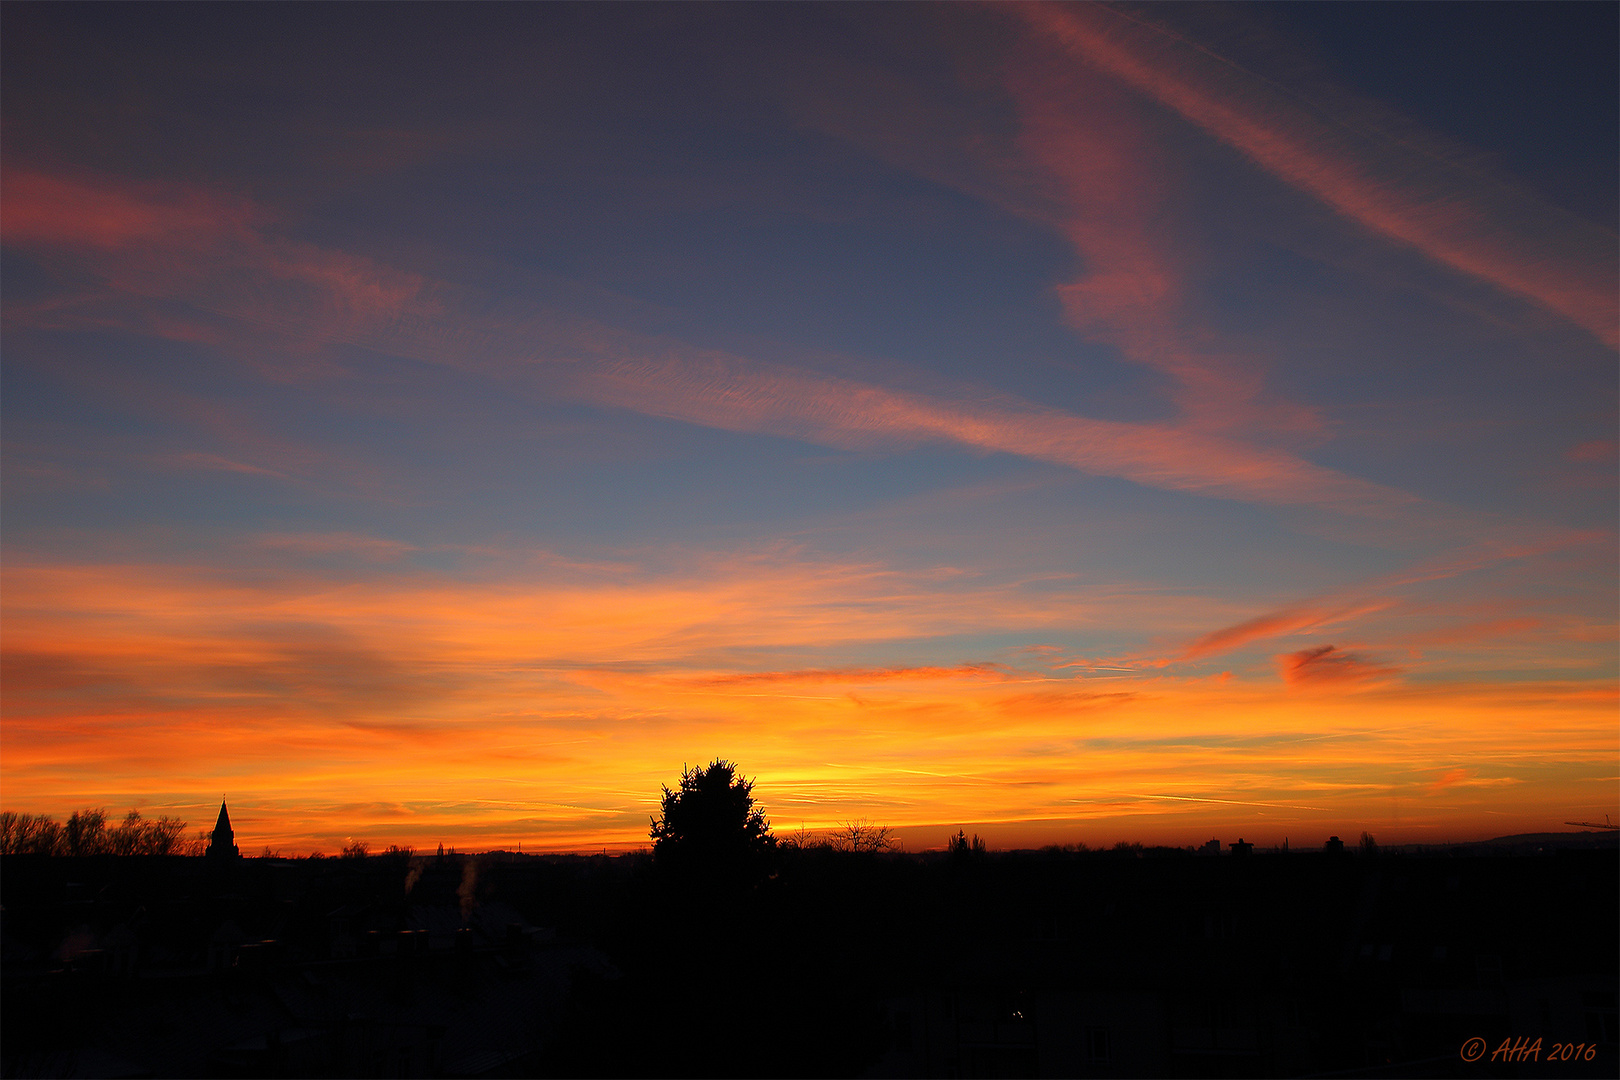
1477 226
738 395
50 211
1328 664
1276 624
227 265
217 253
1374 596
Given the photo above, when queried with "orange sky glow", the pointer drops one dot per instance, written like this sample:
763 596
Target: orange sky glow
485 716
1061 423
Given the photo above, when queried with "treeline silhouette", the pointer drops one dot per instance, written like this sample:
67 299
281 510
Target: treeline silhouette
728 950
86 833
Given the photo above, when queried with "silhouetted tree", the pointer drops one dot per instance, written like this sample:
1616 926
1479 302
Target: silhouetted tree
125 839
801 839
1369 846
857 836
29 834
86 833
710 822
356 849
960 846
165 836
141 836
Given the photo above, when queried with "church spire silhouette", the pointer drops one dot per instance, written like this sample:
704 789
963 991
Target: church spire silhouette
223 844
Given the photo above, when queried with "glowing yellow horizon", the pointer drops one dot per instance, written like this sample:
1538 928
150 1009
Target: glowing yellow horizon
493 725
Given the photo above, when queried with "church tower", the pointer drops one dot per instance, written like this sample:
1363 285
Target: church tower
223 845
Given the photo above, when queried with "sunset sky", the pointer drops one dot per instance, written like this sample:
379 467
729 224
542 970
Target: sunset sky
1063 423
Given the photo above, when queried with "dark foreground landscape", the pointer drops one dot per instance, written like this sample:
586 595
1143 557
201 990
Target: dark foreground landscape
1131 962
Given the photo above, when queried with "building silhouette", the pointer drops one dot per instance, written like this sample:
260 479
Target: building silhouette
223 844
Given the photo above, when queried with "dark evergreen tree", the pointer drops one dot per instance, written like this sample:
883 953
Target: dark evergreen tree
710 822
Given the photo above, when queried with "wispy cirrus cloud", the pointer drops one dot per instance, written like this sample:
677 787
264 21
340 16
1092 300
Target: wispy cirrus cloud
1479 630
1359 602
1110 194
409 692
298 482
1081 161
217 254
1287 621
555 613
985 671
739 395
339 543
45 210
1396 182
352 298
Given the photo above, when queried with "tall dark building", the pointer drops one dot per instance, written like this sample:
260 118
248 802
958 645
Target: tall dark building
223 845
